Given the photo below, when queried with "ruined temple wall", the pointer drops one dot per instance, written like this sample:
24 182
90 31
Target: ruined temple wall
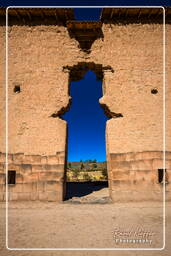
135 52
36 59
37 55
135 141
37 177
37 140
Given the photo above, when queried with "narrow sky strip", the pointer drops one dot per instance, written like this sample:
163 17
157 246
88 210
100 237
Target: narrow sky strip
86 121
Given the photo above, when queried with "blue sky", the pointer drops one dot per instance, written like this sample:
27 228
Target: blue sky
86 120
87 13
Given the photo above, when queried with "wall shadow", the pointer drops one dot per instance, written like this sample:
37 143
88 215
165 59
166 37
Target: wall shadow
79 189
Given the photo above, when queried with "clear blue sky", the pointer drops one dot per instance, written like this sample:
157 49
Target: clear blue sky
86 120
87 13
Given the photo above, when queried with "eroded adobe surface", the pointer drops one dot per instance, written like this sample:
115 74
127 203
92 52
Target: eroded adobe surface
46 50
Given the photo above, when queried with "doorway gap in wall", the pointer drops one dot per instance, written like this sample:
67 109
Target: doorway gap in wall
86 163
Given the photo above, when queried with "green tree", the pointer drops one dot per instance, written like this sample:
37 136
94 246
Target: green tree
82 166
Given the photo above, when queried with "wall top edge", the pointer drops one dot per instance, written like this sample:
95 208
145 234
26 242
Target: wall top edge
64 15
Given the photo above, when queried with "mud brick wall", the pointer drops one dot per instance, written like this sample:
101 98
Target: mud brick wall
37 177
37 55
135 54
134 176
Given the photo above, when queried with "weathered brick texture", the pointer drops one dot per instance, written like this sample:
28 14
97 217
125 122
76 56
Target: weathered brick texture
42 59
34 180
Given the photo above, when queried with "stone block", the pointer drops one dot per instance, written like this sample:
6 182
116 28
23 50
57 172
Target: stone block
167 155
141 165
13 196
18 158
133 156
121 175
142 185
157 164
52 159
19 178
121 185
24 196
54 168
55 196
41 186
168 175
15 167
27 187
2 188
28 159
168 196
168 187
60 168
48 176
32 159
146 175
17 188
32 177
34 187
26 168
36 159
34 196
2 168
61 160
43 196
61 157
44 160
117 157
147 155
2 157
122 165
37 168
53 186
61 153
2 196
2 178
10 158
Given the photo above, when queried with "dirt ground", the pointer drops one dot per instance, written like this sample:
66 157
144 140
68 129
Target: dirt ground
93 224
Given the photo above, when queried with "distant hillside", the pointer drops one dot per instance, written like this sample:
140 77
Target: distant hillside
87 171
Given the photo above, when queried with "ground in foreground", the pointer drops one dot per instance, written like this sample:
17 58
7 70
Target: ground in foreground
68 225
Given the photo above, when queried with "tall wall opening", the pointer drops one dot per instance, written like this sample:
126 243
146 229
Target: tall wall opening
86 167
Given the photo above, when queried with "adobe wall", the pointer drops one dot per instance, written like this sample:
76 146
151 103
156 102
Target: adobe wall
134 134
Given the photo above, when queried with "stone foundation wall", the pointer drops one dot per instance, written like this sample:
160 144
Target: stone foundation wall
37 177
134 176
